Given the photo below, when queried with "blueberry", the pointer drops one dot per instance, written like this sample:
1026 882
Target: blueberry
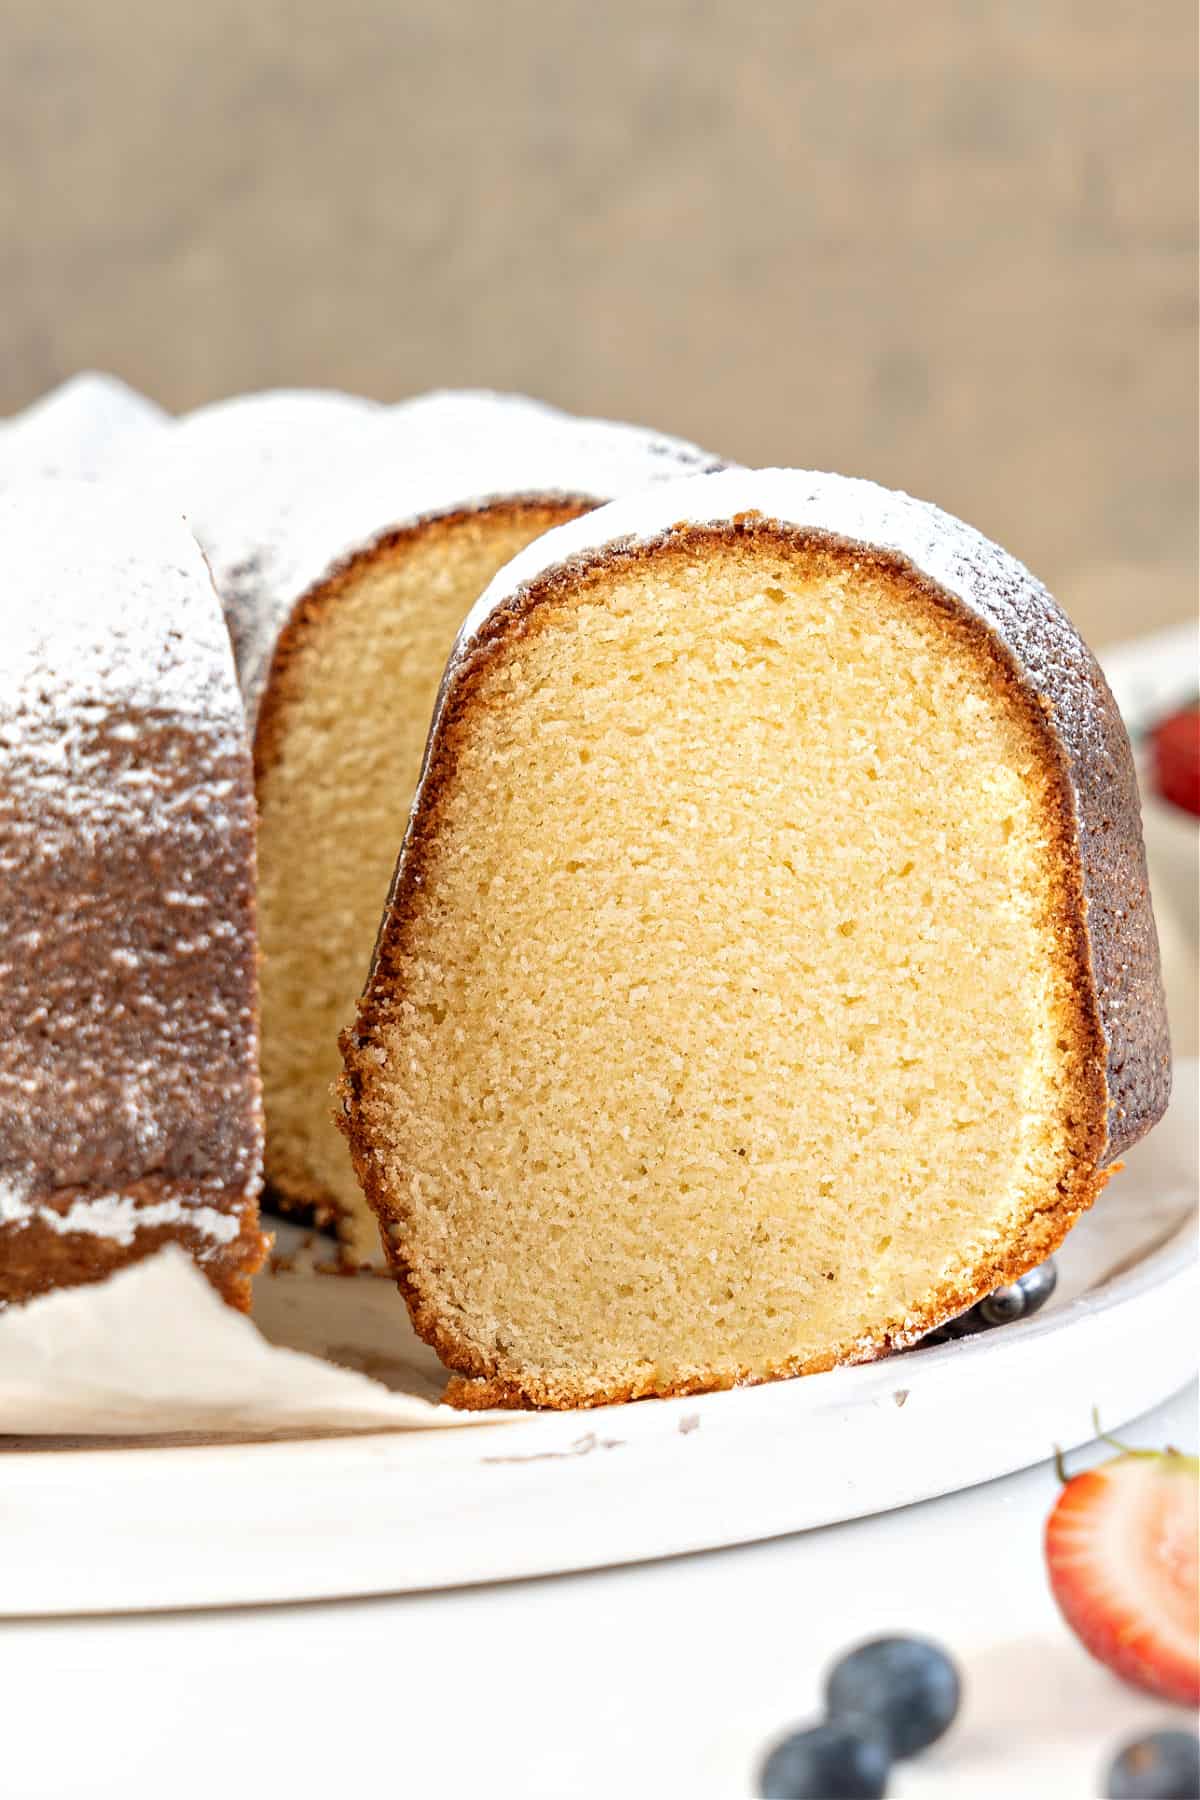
842 1759
1163 1766
1019 1299
909 1686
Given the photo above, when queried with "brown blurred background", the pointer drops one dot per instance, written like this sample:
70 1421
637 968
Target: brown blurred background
950 245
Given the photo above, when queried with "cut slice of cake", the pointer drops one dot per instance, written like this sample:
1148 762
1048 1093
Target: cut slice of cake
348 555
769 971
129 1092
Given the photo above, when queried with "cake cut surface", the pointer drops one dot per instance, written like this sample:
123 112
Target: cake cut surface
337 756
129 1092
769 970
347 560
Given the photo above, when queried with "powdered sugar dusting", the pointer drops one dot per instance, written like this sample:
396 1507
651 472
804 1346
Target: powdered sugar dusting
243 472
118 1217
108 595
951 553
455 452
78 430
107 601
127 986
993 584
282 488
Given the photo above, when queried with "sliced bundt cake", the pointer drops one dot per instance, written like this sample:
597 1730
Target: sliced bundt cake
769 970
129 1094
347 563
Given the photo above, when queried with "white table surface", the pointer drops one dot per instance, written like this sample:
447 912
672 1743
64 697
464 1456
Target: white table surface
661 1680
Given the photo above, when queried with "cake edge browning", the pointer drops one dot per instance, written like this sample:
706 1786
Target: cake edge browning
44 1258
1120 1053
444 456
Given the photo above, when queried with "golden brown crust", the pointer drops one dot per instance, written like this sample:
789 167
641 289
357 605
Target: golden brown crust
1024 629
311 612
290 1186
479 1393
1088 1050
38 1258
477 1386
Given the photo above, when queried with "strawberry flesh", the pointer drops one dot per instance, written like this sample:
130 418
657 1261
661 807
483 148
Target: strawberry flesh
1121 1549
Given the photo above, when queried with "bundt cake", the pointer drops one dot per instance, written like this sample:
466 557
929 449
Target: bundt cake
348 543
129 1093
769 971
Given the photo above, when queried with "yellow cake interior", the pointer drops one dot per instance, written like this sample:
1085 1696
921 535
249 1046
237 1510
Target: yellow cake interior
728 1028
341 735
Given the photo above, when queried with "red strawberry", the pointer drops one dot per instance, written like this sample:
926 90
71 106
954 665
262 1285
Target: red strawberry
1175 747
1121 1548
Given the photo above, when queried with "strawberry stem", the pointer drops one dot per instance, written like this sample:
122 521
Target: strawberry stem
1170 1454
1179 1458
1106 1437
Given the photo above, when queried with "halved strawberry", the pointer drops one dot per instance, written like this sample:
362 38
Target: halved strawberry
1121 1548
1175 755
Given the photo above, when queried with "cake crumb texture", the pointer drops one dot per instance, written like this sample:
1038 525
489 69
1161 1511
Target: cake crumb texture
347 560
338 751
735 1014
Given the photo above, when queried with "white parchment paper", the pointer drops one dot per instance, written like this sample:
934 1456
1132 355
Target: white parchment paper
154 1350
